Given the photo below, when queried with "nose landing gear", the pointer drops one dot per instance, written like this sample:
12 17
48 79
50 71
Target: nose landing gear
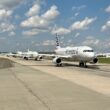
82 64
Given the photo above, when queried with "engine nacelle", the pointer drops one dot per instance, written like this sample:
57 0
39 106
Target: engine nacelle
38 58
95 60
26 58
57 61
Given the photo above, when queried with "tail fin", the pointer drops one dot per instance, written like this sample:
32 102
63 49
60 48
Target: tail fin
57 42
28 50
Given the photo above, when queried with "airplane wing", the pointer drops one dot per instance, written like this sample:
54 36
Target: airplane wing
55 55
47 55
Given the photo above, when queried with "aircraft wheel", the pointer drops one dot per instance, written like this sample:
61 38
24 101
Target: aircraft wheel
59 65
25 58
81 64
36 59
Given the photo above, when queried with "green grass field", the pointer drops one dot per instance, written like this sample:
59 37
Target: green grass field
104 60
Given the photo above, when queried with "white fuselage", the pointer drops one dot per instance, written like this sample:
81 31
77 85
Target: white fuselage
30 54
81 53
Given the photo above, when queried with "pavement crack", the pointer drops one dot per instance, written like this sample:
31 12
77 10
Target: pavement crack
30 90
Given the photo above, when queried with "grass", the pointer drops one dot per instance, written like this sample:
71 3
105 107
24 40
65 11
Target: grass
104 60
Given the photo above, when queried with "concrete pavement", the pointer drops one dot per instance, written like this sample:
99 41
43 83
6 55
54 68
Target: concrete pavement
25 88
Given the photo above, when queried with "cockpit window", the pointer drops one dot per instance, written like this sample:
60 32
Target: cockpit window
88 51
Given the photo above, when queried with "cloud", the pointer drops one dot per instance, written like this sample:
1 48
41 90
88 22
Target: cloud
35 21
98 44
60 31
48 42
17 17
42 21
5 24
52 13
9 3
5 27
108 9
5 14
78 7
12 33
77 35
106 26
32 32
34 10
39 22
91 41
76 14
82 25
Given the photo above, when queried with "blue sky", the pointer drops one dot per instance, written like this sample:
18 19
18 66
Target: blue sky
33 23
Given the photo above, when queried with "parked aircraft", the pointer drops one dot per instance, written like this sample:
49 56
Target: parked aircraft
26 55
19 54
82 54
10 54
31 55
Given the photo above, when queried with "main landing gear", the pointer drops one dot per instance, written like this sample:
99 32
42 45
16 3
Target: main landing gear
59 65
26 58
82 64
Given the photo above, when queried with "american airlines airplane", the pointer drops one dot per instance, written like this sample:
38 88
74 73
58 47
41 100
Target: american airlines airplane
81 54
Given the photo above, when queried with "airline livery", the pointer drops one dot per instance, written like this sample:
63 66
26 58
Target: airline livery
82 54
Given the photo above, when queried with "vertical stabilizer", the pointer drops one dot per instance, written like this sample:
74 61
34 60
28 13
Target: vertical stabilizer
57 41
28 50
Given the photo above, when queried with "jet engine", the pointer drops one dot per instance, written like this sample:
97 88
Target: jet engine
95 60
57 61
25 57
38 58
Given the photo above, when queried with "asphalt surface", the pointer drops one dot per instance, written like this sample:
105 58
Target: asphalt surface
25 88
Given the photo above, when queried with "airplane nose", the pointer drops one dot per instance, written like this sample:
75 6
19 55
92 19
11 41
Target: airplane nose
91 55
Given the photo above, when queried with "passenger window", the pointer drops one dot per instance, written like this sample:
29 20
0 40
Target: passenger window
87 50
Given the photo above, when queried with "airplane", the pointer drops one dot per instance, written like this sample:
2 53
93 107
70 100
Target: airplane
19 54
81 54
31 55
10 54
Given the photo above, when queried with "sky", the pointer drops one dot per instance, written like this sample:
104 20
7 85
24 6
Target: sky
33 24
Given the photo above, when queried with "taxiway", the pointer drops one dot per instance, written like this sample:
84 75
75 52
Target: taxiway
39 85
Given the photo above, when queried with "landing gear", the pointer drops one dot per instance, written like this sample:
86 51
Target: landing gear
36 59
59 65
82 64
26 58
